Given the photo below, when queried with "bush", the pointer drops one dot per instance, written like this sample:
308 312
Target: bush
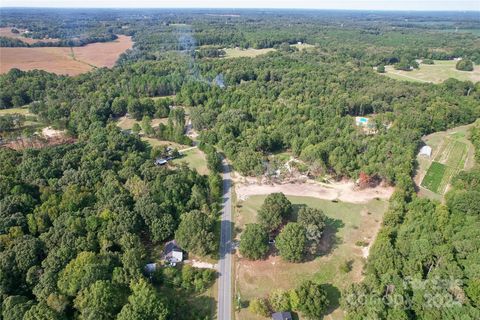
259 306
313 300
464 65
346 266
361 243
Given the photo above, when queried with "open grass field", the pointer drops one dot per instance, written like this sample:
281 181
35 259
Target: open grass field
22 111
126 123
195 159
63 60
348 224
451 152
7 32
436 73
303 46
249 53
157 143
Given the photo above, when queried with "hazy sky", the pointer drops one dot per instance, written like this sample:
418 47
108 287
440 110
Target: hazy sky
457 5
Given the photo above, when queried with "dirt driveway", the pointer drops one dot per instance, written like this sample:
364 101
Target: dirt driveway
342 191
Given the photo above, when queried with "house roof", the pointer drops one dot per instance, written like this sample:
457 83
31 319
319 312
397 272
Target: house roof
282 316
171 246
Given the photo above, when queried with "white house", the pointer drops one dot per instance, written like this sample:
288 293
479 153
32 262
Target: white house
173 253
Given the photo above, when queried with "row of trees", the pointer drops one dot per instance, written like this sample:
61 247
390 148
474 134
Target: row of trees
309 298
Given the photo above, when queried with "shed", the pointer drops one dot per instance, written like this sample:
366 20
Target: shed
426 151
172 252
282 316
160 161
150 267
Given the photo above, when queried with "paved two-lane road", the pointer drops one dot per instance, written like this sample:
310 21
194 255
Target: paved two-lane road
224 311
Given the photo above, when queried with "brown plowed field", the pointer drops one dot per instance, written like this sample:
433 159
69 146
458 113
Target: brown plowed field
62 60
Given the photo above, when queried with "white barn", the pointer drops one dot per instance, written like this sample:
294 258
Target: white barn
426 151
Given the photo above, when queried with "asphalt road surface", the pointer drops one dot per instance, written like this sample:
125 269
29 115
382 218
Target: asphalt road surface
224 311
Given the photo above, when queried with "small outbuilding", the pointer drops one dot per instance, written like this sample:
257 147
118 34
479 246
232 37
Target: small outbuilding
150 267
172 252
426 151
160 161
282 316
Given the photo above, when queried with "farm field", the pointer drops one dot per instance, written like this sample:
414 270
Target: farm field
63 60
451 152
7 32
249 53
349 223
436 73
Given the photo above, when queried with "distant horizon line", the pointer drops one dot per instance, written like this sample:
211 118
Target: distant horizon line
244 8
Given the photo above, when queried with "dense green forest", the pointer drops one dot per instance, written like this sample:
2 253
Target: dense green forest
78 221
425 261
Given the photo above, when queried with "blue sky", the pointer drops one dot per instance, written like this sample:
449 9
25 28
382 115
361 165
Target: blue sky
456 5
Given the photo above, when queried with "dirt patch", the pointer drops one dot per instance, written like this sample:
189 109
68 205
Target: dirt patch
342 191
63 60
49 132
37 142
202 264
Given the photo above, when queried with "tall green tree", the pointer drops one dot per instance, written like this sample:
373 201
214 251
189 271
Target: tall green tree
254 242
144 303
196 233
313 301
102 300
275 208
291 242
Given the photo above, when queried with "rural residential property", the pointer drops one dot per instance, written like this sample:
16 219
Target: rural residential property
239 160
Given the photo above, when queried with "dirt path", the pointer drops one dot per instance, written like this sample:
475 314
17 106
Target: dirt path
342 191
202 265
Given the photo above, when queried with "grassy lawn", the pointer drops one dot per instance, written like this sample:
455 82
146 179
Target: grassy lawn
436 73
154 142
303 46
195 159
126 123
434 176
451 152
250 53
23 111
348 224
